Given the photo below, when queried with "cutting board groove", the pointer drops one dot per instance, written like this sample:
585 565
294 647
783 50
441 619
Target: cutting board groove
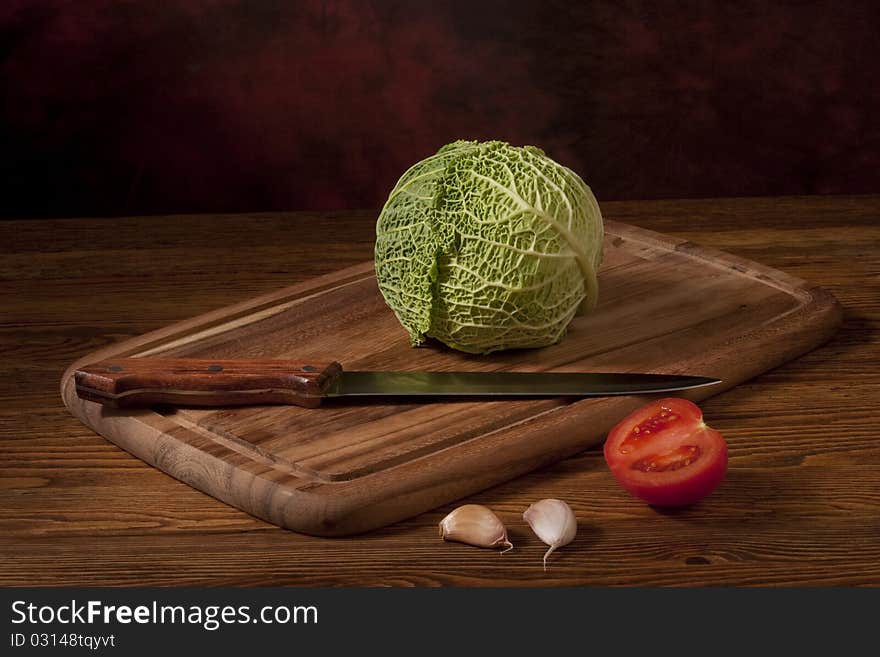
666 305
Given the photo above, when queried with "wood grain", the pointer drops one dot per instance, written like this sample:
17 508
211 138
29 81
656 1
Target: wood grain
801 504
667 306
188 382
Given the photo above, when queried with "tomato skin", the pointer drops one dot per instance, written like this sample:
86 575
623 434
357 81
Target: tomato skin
664 454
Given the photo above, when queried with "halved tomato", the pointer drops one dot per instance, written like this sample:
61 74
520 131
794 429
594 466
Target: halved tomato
664 454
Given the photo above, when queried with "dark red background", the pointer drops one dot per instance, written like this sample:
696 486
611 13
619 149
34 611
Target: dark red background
131 107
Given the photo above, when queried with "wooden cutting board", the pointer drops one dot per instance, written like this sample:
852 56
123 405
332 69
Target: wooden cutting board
665 305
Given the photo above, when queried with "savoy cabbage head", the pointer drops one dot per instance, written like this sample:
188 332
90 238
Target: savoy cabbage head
486 246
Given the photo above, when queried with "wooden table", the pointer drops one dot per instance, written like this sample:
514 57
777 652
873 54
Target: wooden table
801 504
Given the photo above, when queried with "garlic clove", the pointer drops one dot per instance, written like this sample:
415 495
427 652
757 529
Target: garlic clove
554 523
475 525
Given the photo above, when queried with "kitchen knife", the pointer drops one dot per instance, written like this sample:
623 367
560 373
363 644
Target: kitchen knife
130 382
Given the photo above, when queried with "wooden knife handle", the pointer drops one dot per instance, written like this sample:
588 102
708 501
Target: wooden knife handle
129 382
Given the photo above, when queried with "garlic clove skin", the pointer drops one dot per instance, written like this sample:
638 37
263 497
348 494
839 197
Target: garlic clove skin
477 525
553 522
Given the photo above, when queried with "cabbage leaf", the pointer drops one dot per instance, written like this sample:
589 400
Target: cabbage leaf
486 246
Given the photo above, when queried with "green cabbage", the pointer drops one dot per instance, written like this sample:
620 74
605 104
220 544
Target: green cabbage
486 246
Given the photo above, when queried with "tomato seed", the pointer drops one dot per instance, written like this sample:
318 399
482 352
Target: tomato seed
675 460
652 425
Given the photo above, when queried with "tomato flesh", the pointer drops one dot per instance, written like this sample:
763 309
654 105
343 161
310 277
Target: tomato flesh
648 428
678 458
664 454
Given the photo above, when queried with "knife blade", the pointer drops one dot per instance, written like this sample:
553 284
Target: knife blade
134 382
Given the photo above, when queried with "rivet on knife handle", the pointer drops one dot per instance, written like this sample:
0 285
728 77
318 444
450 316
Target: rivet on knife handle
130 382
